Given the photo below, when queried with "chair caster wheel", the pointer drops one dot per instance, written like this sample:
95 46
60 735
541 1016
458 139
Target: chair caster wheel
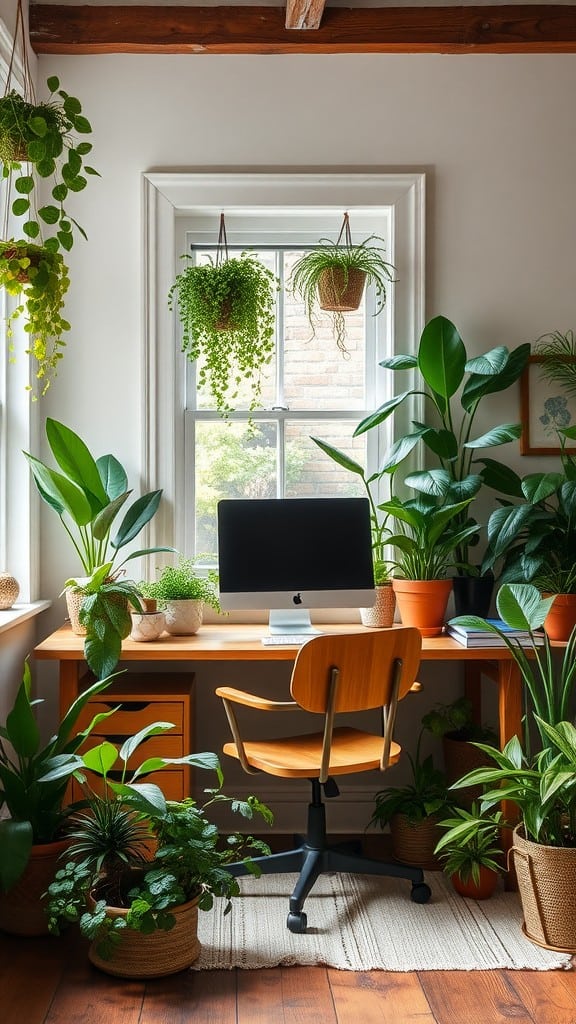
297 922
421 893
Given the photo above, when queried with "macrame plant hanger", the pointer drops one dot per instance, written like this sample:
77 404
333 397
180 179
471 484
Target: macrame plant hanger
16 83
222 246
345 230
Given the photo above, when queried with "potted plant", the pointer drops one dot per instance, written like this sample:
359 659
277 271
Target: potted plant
335 275
430 533
42 141
453 387
40 277
88 494
559 362
227 310
413 811
471 851
382 612
536 539
32 837
182 591
139 867
454 724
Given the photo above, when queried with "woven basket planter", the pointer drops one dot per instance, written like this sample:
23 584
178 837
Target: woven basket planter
547 886
414 842
74 599
381 614
21 908
155 955
340 293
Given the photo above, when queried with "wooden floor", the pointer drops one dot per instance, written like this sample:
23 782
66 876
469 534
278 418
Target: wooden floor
50 981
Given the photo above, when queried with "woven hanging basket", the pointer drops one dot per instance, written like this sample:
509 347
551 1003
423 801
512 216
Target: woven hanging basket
414 842
10 252
157 954
339 292
547 886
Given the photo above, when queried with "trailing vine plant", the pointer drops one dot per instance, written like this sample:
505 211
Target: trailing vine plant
227 310
40 141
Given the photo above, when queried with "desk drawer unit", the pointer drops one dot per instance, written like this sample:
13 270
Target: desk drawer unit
142 699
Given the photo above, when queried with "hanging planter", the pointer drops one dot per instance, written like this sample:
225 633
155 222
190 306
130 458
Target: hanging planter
334 275
39 141
227 310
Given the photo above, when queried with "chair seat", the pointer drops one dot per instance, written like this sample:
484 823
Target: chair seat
300 756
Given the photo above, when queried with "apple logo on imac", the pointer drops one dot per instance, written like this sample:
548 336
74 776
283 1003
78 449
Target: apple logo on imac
297 599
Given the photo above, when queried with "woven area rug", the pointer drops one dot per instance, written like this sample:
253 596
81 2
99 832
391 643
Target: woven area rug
361 923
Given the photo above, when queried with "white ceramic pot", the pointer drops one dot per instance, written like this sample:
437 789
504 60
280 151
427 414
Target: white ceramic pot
147 625
183 617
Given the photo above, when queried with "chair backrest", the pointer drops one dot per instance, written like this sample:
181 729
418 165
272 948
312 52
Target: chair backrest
367 664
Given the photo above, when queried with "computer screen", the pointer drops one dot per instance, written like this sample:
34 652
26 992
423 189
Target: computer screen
293 554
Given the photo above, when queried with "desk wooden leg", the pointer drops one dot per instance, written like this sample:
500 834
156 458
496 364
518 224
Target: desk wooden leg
510 720
69 684
473 688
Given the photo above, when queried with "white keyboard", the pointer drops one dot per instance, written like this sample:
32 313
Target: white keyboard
287 639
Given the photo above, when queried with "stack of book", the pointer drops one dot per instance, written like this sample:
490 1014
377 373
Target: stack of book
470 637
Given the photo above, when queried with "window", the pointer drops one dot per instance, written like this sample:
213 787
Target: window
312 389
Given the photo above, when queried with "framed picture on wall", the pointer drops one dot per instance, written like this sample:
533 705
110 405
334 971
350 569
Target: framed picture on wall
545 407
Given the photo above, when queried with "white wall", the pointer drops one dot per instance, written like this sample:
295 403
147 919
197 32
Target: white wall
493 133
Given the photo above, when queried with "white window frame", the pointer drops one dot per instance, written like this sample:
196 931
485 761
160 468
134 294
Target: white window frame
19 512
169 196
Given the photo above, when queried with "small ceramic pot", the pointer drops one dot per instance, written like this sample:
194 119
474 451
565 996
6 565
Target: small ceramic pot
147 625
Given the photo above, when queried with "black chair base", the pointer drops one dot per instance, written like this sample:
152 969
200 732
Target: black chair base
314 856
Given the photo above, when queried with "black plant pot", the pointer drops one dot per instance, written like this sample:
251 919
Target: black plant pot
472 595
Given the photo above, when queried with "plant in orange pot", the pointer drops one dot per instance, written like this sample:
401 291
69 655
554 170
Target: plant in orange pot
471 852
429 535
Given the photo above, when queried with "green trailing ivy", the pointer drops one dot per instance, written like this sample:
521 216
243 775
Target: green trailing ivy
227 310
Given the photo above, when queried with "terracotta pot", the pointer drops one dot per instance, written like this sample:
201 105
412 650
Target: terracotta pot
414 842
154 955
423 603
561 618
547 886
21 908
340 294
183 618
482 890
381 614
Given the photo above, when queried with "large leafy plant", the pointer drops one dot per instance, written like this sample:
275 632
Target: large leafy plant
429 536
36 807
104 613
536 538
549 684
227 309
110 842
87 494
453 387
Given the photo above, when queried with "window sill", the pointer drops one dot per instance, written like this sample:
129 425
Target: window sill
20 612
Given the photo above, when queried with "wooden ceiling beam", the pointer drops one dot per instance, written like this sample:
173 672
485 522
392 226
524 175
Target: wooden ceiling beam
136 29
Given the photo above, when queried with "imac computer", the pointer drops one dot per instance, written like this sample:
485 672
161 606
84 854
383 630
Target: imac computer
287 555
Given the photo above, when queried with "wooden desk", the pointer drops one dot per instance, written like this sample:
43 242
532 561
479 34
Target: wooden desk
234 642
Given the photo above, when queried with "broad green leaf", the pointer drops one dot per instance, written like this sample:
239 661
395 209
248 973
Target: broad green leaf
101 759
21 725
381 414
400 450
498 435
339 457
113 476
53 83
133 742
38 126
74 458
60 492
521 606
489 363
500 477
539 486
20 207
442 442
479 385
506 526
24 185
144 797
15 843
430 481
399 362
49 214
442 357
136 518
105 518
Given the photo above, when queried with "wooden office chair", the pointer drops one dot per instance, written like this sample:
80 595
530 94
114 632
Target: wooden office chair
333 674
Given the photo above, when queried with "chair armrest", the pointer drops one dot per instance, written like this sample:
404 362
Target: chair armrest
252 700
